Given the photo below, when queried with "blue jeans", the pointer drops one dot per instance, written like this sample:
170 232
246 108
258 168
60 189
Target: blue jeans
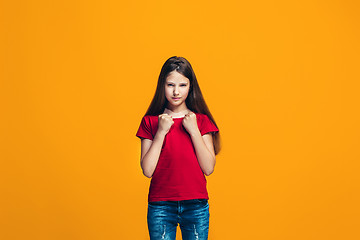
192 215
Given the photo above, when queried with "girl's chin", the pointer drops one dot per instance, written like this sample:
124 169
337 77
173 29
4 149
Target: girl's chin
175 103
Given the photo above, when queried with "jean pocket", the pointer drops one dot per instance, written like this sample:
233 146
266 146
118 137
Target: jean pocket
200 200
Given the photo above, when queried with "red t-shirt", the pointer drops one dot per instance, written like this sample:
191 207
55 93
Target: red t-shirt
177 175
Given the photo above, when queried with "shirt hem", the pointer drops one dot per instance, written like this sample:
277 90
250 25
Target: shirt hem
176 198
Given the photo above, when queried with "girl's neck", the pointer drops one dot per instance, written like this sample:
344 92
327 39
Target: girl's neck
176 113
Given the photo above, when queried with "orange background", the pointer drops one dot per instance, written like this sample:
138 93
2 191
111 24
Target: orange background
281 79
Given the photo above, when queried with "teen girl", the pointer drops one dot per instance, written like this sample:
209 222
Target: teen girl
179 142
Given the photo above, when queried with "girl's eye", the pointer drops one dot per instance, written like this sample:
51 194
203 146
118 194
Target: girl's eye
182 85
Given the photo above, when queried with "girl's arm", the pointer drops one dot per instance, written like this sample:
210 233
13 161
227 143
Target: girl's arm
204 149
150 152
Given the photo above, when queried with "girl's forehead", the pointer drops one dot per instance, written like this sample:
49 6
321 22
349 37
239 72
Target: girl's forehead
176 77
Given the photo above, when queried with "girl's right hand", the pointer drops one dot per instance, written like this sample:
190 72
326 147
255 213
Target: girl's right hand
165 123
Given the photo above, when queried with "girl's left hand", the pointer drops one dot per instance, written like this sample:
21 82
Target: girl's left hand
190 123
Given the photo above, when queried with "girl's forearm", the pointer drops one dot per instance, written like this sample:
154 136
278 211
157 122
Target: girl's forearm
205 157
151 158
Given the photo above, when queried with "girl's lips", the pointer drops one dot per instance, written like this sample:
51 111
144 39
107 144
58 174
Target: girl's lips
176 98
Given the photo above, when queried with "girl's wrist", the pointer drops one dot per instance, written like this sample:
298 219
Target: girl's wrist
160 134
195 133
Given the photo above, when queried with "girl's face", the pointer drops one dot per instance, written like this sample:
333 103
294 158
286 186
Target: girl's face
176 89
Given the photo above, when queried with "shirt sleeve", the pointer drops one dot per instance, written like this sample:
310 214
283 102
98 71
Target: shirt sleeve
144 130
207 126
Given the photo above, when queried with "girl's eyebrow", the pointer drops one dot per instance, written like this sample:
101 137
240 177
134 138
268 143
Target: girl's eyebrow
179 83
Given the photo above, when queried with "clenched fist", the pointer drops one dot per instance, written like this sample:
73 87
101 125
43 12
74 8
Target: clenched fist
165 123
190 124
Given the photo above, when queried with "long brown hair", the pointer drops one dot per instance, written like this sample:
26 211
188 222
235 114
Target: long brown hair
194 101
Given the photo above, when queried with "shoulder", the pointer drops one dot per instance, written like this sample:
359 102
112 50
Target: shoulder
201 116
150 118
201 119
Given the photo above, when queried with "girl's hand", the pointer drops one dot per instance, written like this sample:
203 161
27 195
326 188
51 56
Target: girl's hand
165 122
190 123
